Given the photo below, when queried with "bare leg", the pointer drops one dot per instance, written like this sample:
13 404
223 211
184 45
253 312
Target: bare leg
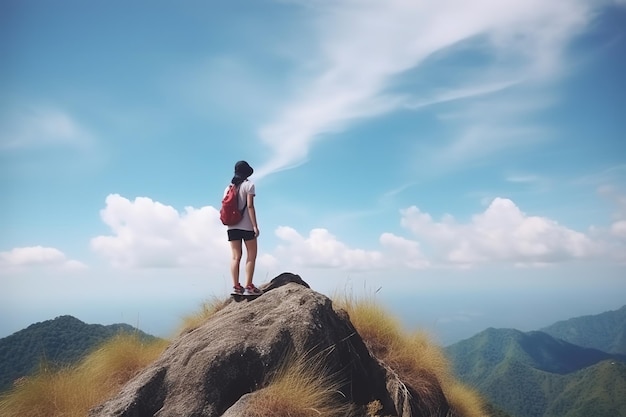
251 250
236 249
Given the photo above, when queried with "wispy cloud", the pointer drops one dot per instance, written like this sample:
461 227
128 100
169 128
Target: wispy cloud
364 45
612 175
462 93
37 256
460 316
37 127
523 178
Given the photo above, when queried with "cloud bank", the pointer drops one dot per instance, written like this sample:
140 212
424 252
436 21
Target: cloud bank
37 256
502 233
149 234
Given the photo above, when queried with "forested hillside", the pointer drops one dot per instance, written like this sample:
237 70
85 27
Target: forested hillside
595 391
51 343
605 331
535 375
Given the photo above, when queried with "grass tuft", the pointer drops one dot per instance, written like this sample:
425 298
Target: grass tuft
464 401
302 387
418 361
118 360
207 310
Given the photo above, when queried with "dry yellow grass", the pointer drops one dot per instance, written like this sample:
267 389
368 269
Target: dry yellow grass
118 360
380 330
464 401
198 318
301 388
417 360
72 391
49 393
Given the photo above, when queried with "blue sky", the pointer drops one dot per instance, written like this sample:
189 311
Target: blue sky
467 160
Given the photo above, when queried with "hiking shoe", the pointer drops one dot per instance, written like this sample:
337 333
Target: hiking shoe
252 290
238 290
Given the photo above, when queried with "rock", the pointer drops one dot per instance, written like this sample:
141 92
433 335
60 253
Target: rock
215 369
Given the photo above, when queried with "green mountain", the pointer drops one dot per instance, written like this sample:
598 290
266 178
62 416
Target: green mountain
595 391
535 375
55 342
606 331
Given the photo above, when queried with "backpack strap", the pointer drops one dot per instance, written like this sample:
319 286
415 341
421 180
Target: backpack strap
245 204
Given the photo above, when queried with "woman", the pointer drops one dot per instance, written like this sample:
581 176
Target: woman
245 231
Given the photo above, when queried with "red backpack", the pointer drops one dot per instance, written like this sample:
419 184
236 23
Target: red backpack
230 214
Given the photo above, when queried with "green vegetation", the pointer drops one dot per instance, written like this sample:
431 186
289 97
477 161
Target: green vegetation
72 390
52 344
534 375
606 331
597 390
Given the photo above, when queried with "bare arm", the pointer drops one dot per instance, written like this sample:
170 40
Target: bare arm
252 213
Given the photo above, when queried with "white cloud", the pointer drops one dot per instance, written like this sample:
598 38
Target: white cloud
363 45
37 256
322 250
41 127
403 251
619 229
147 233
502 233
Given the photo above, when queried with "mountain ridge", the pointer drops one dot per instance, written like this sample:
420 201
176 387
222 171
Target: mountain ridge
605 331
533 374
56 342
553 372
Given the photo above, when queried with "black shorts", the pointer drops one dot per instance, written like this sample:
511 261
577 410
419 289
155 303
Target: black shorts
238 234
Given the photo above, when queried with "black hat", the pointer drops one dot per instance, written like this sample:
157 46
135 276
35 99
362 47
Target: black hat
243 169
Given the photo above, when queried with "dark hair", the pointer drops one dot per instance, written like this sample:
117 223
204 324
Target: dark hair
242 171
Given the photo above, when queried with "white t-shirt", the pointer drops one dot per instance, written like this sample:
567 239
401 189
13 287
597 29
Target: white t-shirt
246 187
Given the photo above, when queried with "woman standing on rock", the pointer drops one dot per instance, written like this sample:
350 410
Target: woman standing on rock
245 231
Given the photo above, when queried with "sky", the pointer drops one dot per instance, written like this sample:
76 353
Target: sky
463 163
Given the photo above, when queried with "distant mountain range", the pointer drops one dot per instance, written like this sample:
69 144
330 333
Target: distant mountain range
56 342
545 373
606 331
573 368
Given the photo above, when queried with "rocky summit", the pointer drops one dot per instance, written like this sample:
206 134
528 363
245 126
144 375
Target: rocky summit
218 368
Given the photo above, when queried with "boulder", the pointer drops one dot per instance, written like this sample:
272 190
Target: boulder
215 369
